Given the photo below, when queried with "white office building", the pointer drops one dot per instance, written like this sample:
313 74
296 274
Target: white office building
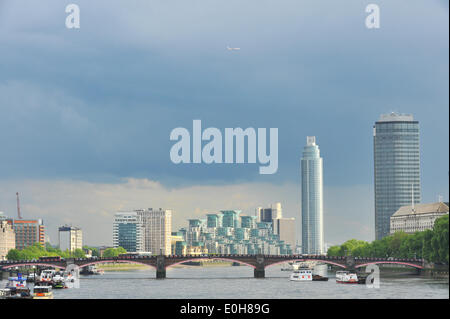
70 238
312 198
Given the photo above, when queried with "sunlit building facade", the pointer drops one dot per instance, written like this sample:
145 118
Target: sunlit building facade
312 198
396 167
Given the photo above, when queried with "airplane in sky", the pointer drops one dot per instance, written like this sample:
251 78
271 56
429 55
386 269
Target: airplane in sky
232 49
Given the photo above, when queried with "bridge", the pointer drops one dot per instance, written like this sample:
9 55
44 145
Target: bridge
258 262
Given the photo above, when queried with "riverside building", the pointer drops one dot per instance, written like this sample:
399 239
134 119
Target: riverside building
420 217
396 167
143 230
28 232
228 232
7 238
70 238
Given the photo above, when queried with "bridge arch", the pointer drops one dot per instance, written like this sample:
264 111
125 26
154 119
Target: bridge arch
111 261
306 259
390 262
8 266
216 258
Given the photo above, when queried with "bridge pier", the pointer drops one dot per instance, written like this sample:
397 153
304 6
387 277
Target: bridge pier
259 271
160 267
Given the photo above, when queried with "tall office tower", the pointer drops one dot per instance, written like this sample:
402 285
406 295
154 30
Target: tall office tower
128 231
157 230
396 167
312 198
70 238
28 232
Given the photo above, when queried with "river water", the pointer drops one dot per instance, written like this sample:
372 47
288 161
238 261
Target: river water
237 282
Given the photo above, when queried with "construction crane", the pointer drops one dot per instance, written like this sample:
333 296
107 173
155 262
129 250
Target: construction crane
18 206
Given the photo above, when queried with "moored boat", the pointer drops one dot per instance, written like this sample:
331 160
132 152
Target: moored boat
42 292
346 277
302 274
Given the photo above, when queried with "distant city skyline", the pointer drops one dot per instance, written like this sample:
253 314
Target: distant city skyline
87 113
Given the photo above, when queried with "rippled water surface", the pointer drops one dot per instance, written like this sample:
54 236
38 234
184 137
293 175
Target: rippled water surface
238 282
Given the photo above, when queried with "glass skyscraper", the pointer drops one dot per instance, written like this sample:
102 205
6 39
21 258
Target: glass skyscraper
312 198
396 167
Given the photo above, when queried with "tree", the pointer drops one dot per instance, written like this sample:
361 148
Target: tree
439 241
114 252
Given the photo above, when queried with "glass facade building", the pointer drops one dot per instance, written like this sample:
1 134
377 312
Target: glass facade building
128 231
312 198
396 167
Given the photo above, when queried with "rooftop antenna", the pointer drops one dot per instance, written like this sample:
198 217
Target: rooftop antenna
18 206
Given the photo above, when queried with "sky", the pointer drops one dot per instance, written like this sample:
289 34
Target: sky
86 114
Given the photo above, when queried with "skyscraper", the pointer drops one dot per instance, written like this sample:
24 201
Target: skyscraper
312 198
70 238
396 167
143 230
128 231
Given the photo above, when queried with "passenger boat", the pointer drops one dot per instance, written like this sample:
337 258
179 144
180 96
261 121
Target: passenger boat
346 277
47 275
302 274
42 292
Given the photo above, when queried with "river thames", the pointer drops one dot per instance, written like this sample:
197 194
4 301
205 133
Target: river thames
228 282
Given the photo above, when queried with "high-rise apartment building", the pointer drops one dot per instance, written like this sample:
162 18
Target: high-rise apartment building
157 230
70 238
28 232
312 198
396 167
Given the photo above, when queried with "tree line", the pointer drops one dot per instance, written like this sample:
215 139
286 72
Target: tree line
37 250
431 245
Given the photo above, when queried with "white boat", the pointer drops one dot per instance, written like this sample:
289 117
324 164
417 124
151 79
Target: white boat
47 275
302 274
346 277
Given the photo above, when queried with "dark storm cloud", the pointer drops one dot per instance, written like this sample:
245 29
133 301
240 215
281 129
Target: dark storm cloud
99 103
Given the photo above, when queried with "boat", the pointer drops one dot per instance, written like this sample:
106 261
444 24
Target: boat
16 288
91 270
346 277
5 292
319 278
302 274
31 277
47 275
58 281
42 292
